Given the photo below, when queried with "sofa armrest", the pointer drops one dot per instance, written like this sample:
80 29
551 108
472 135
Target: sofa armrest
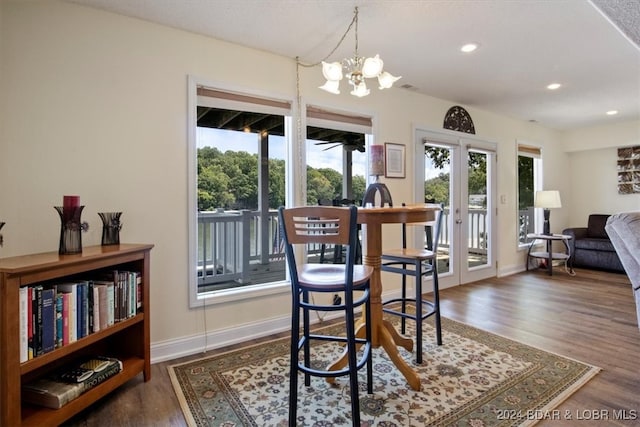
624 232
575 233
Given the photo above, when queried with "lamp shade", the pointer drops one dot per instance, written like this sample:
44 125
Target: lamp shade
332 70
372 67
376 160
331 86
386 80
547 199
360 90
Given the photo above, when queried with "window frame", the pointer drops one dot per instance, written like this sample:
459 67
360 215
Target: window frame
200 299
534 151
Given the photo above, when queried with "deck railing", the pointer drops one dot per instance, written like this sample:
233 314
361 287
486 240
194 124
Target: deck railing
526 224
230 241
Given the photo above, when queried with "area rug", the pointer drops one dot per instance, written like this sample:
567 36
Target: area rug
474 379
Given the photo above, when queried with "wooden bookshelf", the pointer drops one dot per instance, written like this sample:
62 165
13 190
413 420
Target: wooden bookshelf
128 340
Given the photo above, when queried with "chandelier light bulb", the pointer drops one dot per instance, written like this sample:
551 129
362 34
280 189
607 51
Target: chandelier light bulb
332 70
360 90
372 67
331 86
386 80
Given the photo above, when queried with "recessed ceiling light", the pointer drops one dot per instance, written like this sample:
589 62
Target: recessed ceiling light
469 47
612 112
554 86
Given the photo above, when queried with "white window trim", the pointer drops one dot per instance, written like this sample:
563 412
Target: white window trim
537 185
244 293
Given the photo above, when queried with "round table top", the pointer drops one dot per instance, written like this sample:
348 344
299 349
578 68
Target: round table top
397 214
549 236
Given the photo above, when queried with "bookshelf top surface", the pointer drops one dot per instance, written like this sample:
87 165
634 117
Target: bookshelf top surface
24 262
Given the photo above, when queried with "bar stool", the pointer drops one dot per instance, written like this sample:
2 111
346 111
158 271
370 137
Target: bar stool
338 253
417 263
326 225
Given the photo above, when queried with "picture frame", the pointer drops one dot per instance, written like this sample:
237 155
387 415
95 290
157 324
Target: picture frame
394 160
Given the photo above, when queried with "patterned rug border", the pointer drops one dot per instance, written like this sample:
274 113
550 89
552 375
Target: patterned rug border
504 344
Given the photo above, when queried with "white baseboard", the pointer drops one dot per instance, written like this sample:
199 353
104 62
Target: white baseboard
199 343
186 346
509 270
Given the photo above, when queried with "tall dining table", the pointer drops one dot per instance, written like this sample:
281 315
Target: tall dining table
383 333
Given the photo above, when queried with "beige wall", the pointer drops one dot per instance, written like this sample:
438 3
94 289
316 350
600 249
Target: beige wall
95 104
593 178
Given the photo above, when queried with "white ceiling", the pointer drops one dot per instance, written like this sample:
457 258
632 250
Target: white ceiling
524 46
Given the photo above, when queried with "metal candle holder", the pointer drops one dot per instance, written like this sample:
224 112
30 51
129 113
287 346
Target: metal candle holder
71 229
111 227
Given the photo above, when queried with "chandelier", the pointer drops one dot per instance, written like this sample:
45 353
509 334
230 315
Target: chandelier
356 70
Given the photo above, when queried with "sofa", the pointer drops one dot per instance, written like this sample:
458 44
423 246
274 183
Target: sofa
624 232
590 246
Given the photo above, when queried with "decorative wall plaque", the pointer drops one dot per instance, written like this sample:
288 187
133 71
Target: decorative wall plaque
629 170
458 119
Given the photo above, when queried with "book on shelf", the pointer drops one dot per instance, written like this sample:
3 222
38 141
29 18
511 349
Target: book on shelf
36 317
24 324
59 325
48 318
103 307
66 310
54 392
72 290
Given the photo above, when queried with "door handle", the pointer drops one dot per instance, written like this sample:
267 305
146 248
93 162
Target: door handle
458 221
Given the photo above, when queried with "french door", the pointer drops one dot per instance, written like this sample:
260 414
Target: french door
459 171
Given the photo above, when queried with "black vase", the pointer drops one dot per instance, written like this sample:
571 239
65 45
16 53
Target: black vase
71 230
110 227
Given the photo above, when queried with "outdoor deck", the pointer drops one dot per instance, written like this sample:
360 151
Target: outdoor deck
241 248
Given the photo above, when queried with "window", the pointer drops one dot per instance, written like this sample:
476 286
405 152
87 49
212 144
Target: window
336 156
529 181
237 163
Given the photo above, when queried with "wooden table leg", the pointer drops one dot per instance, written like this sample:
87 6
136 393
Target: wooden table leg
383 333
389 345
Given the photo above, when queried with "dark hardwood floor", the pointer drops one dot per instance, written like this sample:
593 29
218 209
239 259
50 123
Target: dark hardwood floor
589 317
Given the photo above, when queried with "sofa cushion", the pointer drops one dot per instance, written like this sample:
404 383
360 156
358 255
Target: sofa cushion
595 226
590 244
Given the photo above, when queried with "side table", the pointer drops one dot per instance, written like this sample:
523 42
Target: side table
549 255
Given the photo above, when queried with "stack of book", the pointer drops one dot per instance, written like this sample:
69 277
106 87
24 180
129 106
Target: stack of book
61 387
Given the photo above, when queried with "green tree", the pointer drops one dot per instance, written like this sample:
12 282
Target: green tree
359 186
525 182
276 183
213 185
477 163
437 189
318 186
230 180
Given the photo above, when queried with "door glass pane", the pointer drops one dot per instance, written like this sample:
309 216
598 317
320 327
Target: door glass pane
478 237
437 189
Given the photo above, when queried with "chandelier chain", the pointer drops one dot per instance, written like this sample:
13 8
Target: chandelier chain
353 21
